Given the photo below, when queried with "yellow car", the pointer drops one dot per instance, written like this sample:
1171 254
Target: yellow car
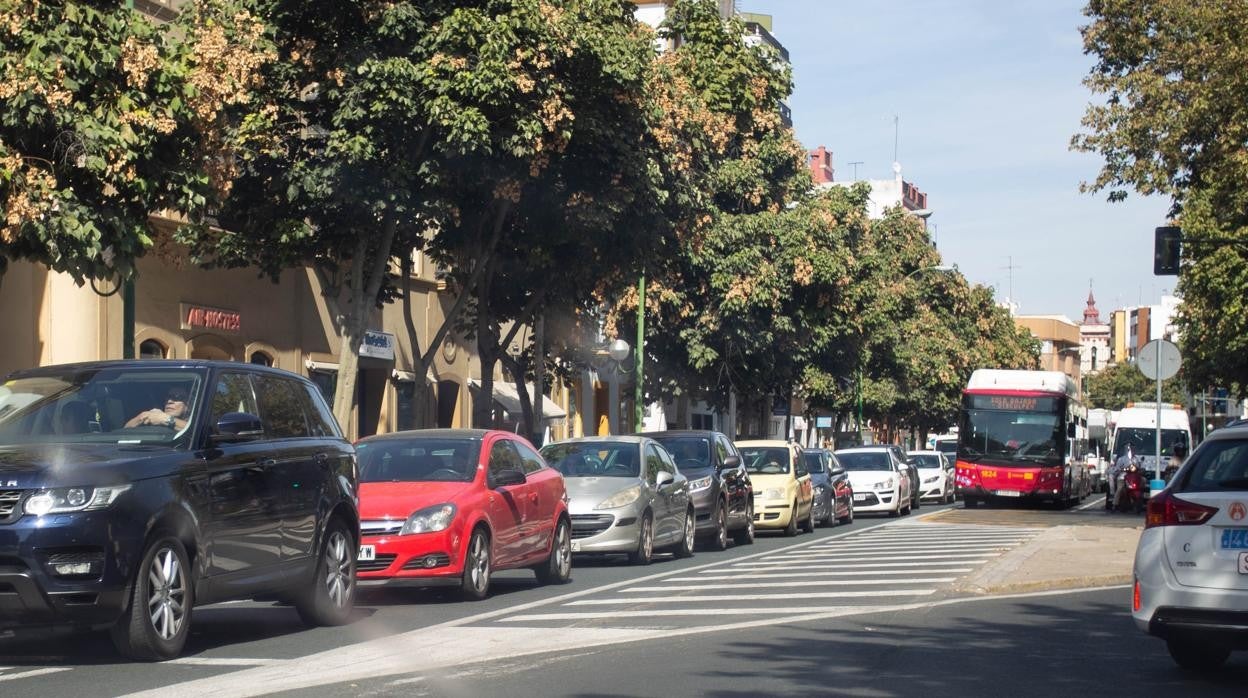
784 497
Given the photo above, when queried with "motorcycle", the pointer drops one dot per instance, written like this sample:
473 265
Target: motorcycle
1134 490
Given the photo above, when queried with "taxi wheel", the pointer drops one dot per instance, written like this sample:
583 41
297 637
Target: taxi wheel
791 529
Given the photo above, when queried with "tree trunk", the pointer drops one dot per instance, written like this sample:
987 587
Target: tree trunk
519 369
421 388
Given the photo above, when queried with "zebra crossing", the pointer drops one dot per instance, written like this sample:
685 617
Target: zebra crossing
884 565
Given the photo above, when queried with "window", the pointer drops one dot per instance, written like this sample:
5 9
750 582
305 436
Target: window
233 394
667 462
261 358
799 465
654 463
281 408
152 349
721 451
532 461
1221 466
326 380
702 422
503 456
320 420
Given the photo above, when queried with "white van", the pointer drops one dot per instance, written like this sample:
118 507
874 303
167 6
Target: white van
1136 426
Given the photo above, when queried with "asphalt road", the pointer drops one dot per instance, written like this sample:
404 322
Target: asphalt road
861 609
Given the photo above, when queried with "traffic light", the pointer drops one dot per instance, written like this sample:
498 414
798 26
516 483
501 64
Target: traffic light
1166 250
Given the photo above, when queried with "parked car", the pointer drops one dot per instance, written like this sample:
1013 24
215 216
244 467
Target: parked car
834 496
723 494
625 496
453 506
879 480
936 475
778 470
1191 562
912 472
133 491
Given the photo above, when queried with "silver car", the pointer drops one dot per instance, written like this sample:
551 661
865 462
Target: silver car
625 496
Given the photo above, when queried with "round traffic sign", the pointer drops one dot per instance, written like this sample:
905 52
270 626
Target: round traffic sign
1159 360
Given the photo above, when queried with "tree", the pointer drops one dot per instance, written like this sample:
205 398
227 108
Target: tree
1116 385
106 119
1174 122
391 126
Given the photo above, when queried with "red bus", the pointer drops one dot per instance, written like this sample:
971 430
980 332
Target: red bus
1021 436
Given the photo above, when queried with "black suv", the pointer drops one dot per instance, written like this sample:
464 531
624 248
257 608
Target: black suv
132 491
723 497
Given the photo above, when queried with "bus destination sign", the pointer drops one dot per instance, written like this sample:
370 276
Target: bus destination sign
1012 403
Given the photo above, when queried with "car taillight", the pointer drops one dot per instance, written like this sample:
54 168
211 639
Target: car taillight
1135 597
1165 509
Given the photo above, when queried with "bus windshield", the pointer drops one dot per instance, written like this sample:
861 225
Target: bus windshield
1006 436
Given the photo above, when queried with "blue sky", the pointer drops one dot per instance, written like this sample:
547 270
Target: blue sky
988 94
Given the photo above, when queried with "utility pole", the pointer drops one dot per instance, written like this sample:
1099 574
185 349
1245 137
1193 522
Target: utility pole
896 134
855 165
1010 267
639 353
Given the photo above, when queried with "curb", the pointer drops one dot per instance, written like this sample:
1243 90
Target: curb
1050 585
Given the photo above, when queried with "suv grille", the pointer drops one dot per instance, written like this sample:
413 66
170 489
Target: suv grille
9 505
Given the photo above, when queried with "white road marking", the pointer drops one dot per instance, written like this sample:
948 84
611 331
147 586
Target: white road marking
890 558
1098 502
889 565
805 584
806 575
927 541
707 598
32 673
674 612
891 547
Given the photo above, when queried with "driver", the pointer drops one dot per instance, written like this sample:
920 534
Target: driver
1116 472
172 415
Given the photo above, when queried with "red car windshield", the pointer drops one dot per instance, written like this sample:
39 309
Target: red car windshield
418 460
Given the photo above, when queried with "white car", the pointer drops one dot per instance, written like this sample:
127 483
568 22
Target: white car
935 475
1191 565
878 480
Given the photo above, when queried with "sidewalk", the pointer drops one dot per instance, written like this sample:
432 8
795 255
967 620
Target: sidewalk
1087 554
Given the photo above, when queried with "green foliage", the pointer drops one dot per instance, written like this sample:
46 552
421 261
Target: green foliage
1119 384
1174 122
100 126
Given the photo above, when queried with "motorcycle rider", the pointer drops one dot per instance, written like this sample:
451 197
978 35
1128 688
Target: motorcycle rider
1178 454
1116 472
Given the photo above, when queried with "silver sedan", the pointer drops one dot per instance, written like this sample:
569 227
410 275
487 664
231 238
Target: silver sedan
625 496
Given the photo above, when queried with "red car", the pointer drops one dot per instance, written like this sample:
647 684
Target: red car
455 505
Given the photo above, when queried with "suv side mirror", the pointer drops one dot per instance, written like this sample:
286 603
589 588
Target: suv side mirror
662 478
732 462
508 477
237 427
837 471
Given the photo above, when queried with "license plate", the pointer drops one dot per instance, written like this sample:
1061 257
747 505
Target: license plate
368 553
1009 493
576 546
1235 539
1243 563
860 498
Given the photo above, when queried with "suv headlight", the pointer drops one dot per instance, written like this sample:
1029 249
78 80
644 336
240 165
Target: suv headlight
429 520
883 484
622 498
63 500
700 484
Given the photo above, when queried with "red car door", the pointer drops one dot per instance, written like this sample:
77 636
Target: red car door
506 505
545 489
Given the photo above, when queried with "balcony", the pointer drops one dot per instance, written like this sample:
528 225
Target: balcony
756 33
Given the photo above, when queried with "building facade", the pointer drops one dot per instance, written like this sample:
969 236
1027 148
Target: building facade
1059 342
1094 340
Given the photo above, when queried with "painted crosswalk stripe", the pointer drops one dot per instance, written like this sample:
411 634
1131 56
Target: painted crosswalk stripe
708 598
778 585
864 555
879 540
224 661
899 546
30 674
838 559
674 612
762 574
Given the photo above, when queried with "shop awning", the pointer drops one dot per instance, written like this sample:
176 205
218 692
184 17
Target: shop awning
505 394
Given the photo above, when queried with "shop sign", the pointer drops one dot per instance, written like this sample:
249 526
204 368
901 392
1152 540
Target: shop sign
377 345
823 422
202 317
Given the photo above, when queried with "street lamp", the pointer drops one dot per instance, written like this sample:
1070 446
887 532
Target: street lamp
618 350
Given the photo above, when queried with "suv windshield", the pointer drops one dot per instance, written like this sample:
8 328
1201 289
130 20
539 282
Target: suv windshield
1219 466
594 459
765 461
418 460
689 451
131 405
866 460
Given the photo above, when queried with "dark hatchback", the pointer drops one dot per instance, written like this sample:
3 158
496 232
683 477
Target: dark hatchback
723 497
834 496
133 491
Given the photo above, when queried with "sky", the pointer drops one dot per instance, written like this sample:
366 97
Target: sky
988 95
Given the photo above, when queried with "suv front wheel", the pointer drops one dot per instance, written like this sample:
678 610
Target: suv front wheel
158 618
331 596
